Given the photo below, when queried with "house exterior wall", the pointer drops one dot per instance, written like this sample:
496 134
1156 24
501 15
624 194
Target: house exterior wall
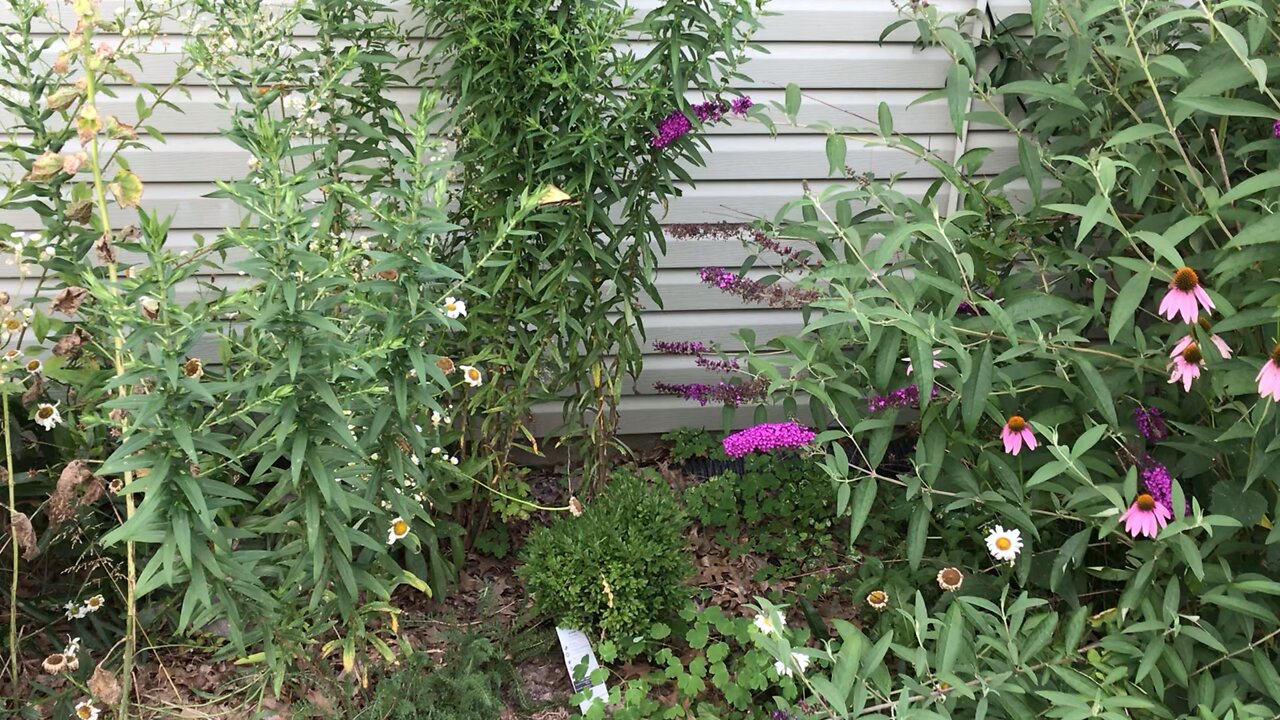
830 48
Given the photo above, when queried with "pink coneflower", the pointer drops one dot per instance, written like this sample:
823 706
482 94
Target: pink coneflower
936 363
1145 517
1016 432
1269 376
1217 340
1185 297
1186 366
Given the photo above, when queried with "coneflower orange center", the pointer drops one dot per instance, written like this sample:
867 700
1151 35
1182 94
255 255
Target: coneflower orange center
1016 423
1192 354
1203 322
1185 279
1146 503
1275 355
1004 543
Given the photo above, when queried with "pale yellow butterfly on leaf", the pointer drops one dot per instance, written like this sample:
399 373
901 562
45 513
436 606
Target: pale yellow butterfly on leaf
555 196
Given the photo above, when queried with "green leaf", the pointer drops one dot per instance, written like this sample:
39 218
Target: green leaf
792 101
1134 133
1101 393
1124 309
1260 231
977 390
1044 91
836 150
1233 107
885 117
864 496
917 533
958 95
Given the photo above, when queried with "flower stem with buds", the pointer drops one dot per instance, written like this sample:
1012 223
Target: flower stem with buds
100 202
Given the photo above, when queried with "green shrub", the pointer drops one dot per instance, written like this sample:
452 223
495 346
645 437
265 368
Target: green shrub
619 567
1033 299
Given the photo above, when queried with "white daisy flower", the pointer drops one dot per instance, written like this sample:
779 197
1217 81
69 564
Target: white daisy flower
1004 544
73 647
34 366
414 459
47 416
454 308
435 419
453 461
436 451
800 660
94 604
87 711
399 528
770 624
472 375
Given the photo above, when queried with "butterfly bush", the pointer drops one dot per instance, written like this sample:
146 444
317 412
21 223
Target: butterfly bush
1096 317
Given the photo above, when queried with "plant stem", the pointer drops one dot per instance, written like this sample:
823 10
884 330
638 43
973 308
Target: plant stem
117 359
13 542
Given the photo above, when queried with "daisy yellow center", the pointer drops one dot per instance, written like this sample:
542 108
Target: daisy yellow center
1185 279
93 602
11 354
1017 423
1146 503
44 412
1192 354
451 307
33 365
1275 355
84 712
473 374
400 527
12 324
1003 543
877 597
951 577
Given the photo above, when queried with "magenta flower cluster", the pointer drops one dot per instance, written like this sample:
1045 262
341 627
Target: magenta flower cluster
676 124
903 397
755 291
767 437
724 393
1151 424
1156 480
679 348
1275 129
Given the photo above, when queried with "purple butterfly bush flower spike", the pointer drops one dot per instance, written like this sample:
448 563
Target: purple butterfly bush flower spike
1151 424
767 437
676 124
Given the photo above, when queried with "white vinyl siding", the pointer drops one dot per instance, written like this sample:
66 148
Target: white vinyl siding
830 48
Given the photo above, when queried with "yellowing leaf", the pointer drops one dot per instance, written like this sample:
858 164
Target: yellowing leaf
127 189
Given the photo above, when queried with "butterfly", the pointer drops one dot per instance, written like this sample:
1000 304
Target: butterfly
553 196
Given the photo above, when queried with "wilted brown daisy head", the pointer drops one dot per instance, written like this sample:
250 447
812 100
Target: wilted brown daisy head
950 579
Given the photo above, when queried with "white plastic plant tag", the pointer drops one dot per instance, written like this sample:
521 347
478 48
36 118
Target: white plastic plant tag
576 648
